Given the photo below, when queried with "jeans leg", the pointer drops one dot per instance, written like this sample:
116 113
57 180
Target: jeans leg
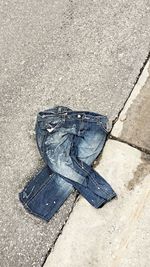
89 146
45 193
35 184
96 184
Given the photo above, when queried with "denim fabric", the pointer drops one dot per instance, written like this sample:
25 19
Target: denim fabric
69 142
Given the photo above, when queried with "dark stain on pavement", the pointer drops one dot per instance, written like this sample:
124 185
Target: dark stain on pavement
141 172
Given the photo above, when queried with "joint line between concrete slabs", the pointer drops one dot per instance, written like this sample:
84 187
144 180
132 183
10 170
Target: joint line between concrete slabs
147 151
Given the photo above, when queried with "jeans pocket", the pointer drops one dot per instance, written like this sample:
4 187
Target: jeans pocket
54 124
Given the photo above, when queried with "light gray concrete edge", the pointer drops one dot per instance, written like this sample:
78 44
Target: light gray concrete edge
134 120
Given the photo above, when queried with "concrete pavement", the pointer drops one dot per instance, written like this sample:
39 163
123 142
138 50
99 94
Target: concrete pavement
118 234
84 55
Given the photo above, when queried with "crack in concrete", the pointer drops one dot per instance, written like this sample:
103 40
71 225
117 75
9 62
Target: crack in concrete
140 72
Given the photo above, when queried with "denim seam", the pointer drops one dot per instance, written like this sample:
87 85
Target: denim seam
45 183
34 213
102 127
91 178
90 174
43 143
33 179
28 208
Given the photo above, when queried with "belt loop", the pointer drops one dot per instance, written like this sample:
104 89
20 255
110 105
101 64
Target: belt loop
98 120
82 117
64 115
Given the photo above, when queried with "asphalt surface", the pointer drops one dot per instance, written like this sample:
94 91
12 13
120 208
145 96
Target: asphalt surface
86 55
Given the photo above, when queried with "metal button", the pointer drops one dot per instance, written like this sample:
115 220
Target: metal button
79 116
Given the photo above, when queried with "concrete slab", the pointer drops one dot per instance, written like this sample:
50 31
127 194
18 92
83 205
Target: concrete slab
118 234
86 55
133 123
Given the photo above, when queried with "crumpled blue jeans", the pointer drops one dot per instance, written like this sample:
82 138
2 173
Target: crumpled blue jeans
68 141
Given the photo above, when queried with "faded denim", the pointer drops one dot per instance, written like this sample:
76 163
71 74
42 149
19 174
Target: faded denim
68 141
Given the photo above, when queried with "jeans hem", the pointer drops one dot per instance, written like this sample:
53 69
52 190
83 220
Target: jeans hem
102 203
30 211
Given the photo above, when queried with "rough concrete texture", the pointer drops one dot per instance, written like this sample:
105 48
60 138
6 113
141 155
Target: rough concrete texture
118 234
85 55
133 123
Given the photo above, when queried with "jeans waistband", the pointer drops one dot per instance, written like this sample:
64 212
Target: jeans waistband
65 113
81 115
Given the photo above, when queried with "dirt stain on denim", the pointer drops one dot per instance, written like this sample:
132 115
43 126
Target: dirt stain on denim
141 172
